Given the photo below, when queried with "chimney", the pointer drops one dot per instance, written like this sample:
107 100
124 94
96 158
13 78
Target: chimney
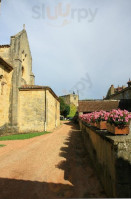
129 83
112 90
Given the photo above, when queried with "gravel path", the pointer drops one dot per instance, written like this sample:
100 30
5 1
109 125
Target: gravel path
49 166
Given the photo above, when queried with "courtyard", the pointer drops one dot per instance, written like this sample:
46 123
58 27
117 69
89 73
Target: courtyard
53 165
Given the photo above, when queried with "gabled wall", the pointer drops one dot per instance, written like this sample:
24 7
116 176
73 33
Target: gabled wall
39 111
21 59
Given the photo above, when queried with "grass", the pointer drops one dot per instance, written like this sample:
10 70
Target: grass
2 145
21 136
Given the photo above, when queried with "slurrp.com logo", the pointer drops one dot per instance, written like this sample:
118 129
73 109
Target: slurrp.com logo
61 15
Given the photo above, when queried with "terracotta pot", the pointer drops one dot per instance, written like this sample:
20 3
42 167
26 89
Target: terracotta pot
117 131
94 124
102 125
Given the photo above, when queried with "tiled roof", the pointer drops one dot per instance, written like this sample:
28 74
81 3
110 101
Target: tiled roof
33 87
97 105
37 87
118 89
4 46
6 64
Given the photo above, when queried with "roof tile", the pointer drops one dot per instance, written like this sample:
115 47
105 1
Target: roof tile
97 105
5 46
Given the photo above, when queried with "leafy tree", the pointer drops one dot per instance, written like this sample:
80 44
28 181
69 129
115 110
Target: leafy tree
64 108
73 110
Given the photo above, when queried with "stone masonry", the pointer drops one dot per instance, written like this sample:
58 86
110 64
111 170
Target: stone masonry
21 102
111 157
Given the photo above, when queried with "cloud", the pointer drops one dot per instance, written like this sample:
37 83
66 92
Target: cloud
63 54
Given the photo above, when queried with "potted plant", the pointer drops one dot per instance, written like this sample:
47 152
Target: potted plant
93 118
102 120
118 122
85 118
90 118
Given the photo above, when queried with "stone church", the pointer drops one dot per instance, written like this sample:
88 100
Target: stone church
24 107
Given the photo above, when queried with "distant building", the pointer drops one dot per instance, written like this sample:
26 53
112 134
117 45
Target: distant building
119 93
88 106
71 99
116 98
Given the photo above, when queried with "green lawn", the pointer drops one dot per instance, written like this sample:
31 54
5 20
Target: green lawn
21 136
2 145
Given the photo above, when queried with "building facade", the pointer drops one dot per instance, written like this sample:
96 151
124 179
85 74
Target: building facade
24 107
71 99
120 93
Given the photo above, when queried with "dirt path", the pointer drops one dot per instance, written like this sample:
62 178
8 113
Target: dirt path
50 166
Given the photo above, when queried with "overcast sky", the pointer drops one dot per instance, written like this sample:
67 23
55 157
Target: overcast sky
82 45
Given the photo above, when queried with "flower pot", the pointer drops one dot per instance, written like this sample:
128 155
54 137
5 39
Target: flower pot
117 131
102 125
94 124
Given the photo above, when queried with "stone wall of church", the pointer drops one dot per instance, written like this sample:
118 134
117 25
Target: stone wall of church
22 110
53 112
20 56
20 50
5 53
5 89
32 111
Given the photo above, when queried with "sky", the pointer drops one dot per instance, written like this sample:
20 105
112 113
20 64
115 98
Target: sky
76 45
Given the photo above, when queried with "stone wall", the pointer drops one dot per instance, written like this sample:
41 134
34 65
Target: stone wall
53 112
20 50
39 111
71 99
31 111
74 99
5 87
5 53
111 157
124 94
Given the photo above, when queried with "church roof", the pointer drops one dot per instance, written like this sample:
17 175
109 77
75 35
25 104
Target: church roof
5 46
37 87
6 64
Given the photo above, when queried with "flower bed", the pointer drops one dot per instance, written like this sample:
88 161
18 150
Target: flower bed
118 119
117 131
102 125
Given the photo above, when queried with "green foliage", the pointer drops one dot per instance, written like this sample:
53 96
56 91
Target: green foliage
73 110
21 136
2 145
64 108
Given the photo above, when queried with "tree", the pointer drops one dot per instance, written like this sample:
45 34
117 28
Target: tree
73 110
64 108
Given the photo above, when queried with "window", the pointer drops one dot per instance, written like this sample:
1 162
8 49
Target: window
22 71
